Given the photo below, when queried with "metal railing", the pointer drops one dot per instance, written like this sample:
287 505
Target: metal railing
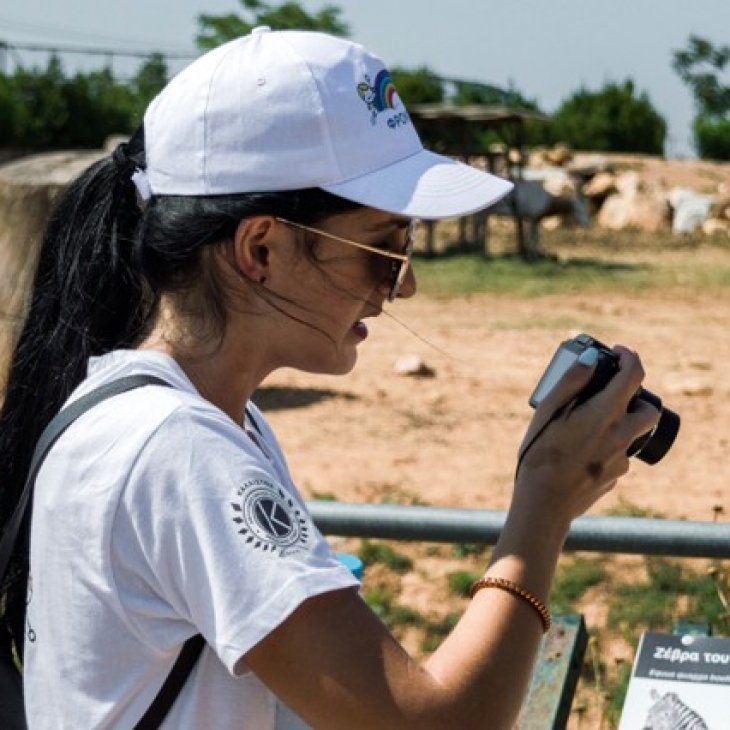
630 535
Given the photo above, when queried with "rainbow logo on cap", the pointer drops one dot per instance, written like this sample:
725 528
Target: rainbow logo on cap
379 95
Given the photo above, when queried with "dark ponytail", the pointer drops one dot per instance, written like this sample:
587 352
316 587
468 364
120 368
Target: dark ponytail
86 298
103 263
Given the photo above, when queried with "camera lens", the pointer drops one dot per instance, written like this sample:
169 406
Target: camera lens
653 446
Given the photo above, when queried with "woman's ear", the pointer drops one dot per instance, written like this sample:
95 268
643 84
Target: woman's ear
251 247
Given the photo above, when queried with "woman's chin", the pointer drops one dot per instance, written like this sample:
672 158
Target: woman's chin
344 365
341 363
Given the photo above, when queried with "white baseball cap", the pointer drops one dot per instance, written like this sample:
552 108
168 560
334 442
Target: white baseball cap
285 110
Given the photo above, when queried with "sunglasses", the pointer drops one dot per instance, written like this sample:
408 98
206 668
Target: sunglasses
400 261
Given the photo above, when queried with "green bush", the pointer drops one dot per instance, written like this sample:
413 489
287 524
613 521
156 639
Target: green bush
712 138
378 552
461 581
43 109
437 631
573 580
672 592
382 602
613 119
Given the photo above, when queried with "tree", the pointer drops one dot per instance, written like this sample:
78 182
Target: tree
149 80
218 29
613 119
472 92
712 137
9 110
40 106
44 110
96 107
417 86
700 66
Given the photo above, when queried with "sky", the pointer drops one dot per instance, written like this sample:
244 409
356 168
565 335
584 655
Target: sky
547 50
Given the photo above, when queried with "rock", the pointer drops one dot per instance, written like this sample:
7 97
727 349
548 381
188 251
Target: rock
645 212
560 155
52 168
600 186
720 208
716 227
689 209
695 386
414 367
590 164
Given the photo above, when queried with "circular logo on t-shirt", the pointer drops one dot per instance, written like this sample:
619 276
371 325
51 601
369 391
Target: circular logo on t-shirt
269 518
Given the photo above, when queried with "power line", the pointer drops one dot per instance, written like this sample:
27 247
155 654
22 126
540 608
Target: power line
36 32
85 50
11 50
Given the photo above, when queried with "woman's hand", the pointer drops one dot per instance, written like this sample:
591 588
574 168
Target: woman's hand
580 455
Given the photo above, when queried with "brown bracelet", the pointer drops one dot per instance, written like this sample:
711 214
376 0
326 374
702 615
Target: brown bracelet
514 589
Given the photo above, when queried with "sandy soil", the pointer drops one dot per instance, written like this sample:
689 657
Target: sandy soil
451 439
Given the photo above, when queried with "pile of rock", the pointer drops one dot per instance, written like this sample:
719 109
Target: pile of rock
624 194
718 217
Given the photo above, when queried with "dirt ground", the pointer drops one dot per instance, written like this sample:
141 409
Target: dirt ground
451 439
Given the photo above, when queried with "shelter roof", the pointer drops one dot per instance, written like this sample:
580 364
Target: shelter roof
457 130
480 114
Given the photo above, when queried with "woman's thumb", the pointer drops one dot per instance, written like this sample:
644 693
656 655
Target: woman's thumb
575 378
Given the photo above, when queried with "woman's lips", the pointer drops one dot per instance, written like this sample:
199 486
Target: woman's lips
360 329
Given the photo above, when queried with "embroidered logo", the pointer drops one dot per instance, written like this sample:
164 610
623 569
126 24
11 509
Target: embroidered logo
380 96
269 519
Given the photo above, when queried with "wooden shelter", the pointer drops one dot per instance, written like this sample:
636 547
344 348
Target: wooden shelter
457 131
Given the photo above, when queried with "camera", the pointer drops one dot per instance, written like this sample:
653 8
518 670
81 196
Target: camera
652 446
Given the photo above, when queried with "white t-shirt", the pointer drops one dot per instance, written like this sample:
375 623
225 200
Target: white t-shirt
155 517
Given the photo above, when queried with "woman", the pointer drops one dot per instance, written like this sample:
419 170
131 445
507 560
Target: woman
260 217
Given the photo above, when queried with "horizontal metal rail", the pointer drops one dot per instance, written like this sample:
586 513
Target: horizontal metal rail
629 535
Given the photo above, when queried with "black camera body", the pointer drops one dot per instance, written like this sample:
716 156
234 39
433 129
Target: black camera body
652 446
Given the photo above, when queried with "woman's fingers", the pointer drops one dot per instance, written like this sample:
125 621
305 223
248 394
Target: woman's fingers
575 451
628 415
571 384
559 398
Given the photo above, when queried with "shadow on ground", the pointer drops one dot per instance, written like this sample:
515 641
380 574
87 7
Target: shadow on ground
275 398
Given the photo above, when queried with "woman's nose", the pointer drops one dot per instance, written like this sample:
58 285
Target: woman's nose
408 287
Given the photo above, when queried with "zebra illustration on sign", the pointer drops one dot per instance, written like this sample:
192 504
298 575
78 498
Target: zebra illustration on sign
669 713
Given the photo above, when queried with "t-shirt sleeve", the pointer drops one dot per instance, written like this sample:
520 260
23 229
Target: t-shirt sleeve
211 534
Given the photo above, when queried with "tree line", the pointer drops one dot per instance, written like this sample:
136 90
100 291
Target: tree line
44 109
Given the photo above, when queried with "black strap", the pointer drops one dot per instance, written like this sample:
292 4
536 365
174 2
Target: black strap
51 432
192 648
157 711
249 415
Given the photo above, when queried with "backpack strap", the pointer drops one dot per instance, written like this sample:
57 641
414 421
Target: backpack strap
157 711
51 432
193 647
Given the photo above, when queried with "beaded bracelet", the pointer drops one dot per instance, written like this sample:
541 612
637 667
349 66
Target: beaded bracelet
515 590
